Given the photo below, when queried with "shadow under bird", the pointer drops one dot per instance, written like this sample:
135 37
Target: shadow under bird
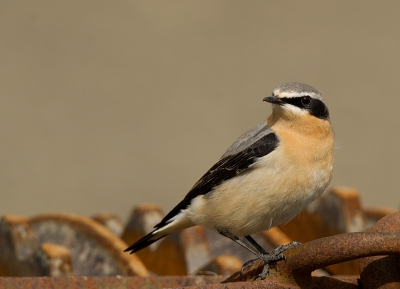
264 179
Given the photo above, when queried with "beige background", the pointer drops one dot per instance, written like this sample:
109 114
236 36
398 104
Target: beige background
106 104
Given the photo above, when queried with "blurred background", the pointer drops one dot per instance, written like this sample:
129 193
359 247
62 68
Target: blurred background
105 104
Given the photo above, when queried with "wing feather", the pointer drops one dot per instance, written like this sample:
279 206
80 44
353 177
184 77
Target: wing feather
229 166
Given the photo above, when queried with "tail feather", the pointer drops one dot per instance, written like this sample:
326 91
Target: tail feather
144 242
175 223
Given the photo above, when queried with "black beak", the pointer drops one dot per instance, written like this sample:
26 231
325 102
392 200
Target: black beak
273 99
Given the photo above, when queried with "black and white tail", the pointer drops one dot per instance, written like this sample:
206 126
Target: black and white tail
145 241
174 221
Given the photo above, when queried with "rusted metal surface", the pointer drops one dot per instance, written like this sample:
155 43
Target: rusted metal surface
95 250
224 265
382 271
164 257
317 283
56 260
374 214
117 282
180 253
196 249
21 254
141 222
220 245
336 211
274 237
111 221
302 260
352 217
18 246
245 285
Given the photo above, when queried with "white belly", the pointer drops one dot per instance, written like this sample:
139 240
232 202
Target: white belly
262 197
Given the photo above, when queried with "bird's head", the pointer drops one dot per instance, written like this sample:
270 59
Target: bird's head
298 99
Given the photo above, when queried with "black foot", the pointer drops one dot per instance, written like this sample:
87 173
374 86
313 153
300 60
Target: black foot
275 255
248 264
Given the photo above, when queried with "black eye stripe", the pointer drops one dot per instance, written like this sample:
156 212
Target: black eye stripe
296 101
314 106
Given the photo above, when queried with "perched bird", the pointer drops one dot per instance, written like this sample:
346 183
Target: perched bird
265 178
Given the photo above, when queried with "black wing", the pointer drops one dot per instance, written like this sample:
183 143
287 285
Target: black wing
226 168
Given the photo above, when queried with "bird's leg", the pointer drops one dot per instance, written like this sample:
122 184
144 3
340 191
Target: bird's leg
242 243
255 244
275 255
258 247
258 251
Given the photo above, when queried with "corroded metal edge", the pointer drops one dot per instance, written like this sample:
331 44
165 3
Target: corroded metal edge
117 282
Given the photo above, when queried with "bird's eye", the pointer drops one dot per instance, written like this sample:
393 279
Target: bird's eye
305 100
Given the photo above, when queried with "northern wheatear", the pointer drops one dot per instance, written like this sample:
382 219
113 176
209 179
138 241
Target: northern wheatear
265 178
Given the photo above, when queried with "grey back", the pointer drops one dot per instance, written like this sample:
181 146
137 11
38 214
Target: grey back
248 138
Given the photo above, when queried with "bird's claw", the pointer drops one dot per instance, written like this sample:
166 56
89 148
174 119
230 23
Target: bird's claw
248 264
275 255
263 274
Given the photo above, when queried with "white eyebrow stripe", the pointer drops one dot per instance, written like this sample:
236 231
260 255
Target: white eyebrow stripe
291 94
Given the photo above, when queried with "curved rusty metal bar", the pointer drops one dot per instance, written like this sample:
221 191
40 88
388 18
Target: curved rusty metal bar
100 249
382 271
304 259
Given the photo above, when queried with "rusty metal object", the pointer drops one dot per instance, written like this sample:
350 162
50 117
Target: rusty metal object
55 260
248 285
220 245
111 221
117 282
142 221
195 246
18 247
336 211
351 218
382 271
179 253
224 265
321 282
302 260
94 249
374 214
21 254
274 237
